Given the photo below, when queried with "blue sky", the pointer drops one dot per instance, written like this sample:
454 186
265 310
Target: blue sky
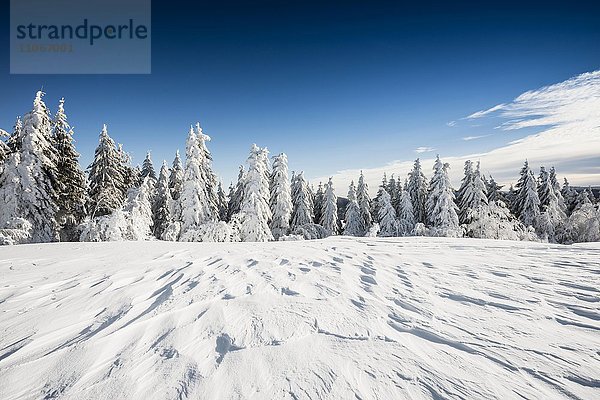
336 86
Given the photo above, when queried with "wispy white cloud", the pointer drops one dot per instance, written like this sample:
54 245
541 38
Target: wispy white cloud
423 149
451 123
568 117
469 138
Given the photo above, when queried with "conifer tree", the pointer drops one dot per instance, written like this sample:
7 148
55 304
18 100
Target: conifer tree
15 140
527 201
329 215
131 175
494 191
4 149
256 213
12 191
364 202
162 204
318 202
221 202
406 216
37 173
148 169
417 189
376 202
236 198
354 223
570 196
302 212
106 180
70 177
281 197
193 201
557 191
552 217
138 211
473 195
176 177
388 225
464 184
441 209
206 172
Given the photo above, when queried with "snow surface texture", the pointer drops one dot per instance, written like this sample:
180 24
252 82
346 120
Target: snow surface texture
338 318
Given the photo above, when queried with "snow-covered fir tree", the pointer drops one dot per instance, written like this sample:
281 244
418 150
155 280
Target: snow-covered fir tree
465 182
132 176
494 191
473 194
552 218
13 194
376 202
527 201
221 203
162 203
318 202
441 209
235 199
138 209
148 168
406 215
176 177
364 202
392 189
354 223
105 176
193 202
418 191
281 197
4 149
302 212
583 225
206 172
15 140
37 173
71 179
329 216
557 191
493 221
255 211
388 225
570 196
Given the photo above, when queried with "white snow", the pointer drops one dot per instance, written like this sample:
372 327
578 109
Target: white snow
340 318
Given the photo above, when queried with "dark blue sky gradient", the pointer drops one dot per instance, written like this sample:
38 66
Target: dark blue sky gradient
334 85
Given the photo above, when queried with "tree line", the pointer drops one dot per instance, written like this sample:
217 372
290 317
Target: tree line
46 196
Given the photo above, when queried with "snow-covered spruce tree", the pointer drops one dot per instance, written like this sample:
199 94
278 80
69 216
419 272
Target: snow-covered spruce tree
256 213
162 203
318 203
235 199
138 211
281 197
354 223
106 179
494 191
570 196
406 216
417 189
473 195
493 221
392 190
329 217
13 228
583 225
441 209
4 149
364 202
221 203
460 193
37 172
71 200
543 183
176 177
551 221
15 140
396 201
302 213
375 203
388 225
206 172
527 201
148 168
193 202
557 191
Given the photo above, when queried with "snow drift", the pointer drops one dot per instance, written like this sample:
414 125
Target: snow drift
337 318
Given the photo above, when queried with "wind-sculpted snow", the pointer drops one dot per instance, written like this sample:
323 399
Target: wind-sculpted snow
339 318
